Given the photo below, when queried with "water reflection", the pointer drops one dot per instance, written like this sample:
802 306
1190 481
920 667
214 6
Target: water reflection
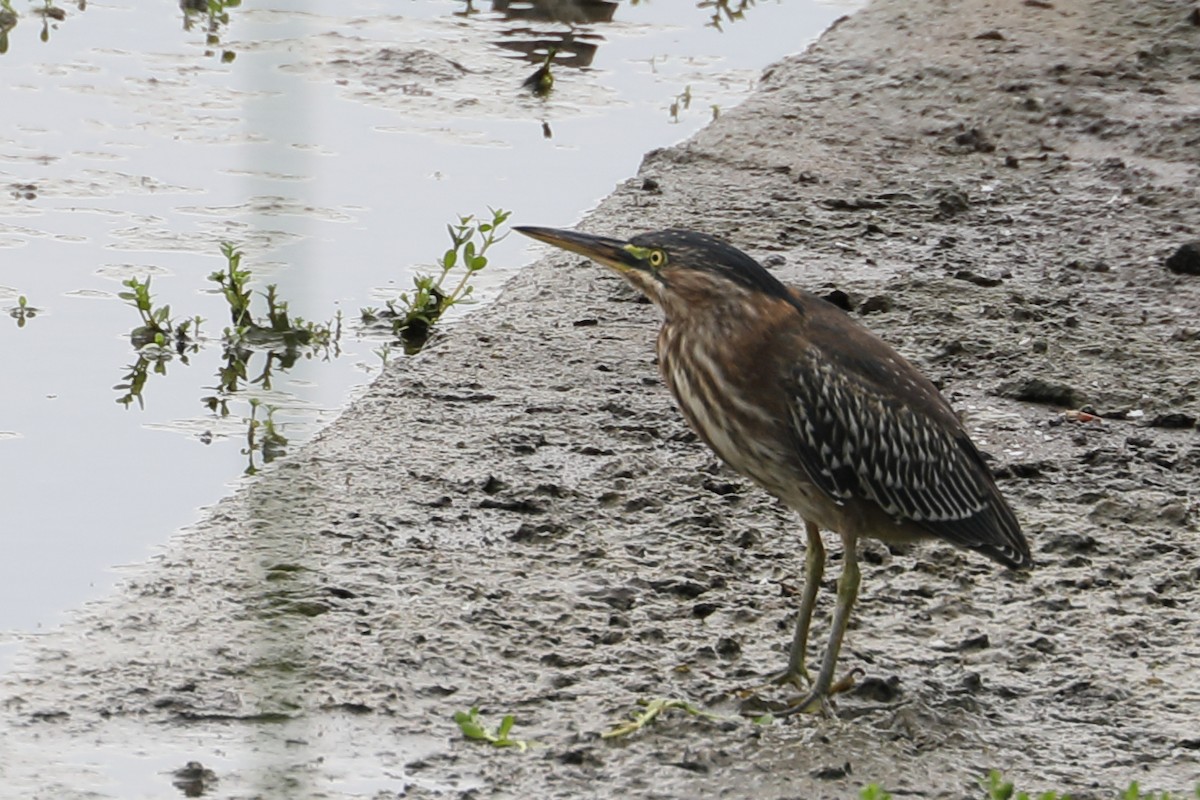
211 16
725 11
568 12
47 11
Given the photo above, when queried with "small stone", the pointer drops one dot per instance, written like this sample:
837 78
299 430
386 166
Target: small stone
874 303
1174 419
977 642
728 647
993 35
976 140
879 690
831 773
1185 260
1039 390
839 298
977 279
650 185
950 201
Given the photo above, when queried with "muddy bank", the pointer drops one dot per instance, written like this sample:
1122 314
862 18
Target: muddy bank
519 519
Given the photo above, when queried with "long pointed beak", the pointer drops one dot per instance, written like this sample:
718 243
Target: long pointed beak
612 253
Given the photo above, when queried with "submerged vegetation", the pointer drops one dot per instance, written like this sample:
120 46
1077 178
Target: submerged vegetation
261 327
280 338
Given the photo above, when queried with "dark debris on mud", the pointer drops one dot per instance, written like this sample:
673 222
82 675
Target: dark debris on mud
519 520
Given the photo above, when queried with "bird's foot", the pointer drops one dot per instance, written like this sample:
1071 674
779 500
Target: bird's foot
754 706
799 679
817 701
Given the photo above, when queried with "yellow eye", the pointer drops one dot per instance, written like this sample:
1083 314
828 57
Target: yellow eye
657 258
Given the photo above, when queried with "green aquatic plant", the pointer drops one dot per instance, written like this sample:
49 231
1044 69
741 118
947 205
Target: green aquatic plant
281 337
724 11
262 436
683 101
22 312
541 82
278 327
414 313
473 728
158 328
212 15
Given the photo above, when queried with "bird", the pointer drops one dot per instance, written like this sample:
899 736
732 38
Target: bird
791 392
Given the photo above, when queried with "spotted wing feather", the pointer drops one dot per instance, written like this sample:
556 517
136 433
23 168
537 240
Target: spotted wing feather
891 439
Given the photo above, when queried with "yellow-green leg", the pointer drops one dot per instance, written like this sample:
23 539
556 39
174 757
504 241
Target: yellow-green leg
847 592
814 569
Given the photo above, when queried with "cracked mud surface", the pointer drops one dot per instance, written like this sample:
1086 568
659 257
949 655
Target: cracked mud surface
519 519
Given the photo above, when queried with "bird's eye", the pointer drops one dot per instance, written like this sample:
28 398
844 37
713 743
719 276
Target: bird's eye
657 258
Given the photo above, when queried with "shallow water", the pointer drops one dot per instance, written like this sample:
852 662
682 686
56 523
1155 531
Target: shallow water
333 149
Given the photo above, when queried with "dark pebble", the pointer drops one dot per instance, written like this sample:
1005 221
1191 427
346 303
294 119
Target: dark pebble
1039 390
874 303
979 642
840 299
977 279
680 587
879 690
831 773
1174 419
1185 260
728 647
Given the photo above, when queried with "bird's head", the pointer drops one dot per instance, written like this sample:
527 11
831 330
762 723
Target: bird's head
677 269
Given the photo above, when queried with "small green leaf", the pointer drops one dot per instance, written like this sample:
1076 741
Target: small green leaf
505 726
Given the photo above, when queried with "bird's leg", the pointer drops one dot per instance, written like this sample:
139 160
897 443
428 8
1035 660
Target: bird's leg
796 673
814 568
847 592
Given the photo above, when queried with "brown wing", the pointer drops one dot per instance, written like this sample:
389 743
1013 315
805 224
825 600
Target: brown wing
868 425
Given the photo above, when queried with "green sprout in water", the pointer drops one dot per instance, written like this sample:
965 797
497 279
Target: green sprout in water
413 315
22 312
282 337
683 101
542 80
725 11
263 437
278 327
212 14
473 728
157 328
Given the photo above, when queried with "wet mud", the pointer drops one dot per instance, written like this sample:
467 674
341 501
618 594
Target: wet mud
518 519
